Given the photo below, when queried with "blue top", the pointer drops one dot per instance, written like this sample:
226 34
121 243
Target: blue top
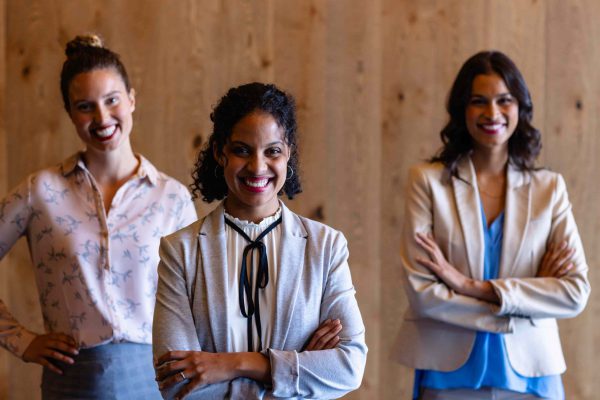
488 365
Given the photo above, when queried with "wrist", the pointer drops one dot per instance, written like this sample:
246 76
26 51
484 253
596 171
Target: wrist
252 365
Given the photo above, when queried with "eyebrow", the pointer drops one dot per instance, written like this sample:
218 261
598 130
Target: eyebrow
498 95
109 94
245 144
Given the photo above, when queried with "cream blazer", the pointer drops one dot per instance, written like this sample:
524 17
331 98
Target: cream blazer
440 325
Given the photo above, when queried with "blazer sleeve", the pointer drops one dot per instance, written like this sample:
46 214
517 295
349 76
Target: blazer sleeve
327 373
427 295
15 214
550 297
173 326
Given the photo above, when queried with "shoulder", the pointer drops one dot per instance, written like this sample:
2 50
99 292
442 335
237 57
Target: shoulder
317 234
47 176
184 236
545 176
545 180
430 171
160 178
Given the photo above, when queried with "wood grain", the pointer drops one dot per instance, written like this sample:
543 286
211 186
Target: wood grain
370 79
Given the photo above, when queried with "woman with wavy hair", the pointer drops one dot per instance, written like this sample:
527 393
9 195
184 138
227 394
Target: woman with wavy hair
490 251
242 290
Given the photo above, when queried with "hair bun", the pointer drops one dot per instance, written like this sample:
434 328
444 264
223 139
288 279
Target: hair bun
83 42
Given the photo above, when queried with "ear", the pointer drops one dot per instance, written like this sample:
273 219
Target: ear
219 157
131 96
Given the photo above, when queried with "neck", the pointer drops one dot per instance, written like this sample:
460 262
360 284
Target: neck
490 162
248 213
111 166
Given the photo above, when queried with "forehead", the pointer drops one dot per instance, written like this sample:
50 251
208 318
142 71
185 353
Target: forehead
96 82
489 84
257 128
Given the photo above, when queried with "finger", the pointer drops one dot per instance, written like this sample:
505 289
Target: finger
320 344
564 257
175 379
172 355
332 343
187 389
47 364
56 355
63 338
423 242
322 330
170 368
430 265
59 344
566 269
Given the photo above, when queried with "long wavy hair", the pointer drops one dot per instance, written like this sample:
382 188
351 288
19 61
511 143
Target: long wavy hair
525 143
209 181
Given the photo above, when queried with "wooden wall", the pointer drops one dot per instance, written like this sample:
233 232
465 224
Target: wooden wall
370 78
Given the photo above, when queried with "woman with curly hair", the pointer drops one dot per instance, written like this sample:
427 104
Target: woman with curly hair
242 290
490 251
93 225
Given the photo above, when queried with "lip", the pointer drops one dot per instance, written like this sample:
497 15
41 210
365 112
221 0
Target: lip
98 137
258 184
492 128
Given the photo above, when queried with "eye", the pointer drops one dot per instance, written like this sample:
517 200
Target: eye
477 101
84 107
273 151
112 100
506 100
240 150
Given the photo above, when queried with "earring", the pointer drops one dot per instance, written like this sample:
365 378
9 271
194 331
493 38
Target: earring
290 173
218 174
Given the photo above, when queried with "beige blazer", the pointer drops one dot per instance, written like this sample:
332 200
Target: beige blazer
439 327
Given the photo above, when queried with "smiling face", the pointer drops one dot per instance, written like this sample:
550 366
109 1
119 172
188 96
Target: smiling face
492 113
101 109
254 162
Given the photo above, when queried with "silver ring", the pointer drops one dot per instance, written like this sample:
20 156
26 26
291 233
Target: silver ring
183 378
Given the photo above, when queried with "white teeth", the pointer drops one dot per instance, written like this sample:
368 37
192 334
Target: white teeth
256 184
106 132
492 127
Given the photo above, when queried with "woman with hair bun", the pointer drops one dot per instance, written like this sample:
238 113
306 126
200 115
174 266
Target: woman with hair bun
93 225
242 290
490 251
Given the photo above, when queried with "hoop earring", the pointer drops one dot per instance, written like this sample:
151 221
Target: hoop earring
290 173
217 174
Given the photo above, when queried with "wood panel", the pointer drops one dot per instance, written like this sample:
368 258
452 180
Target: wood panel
4 357
370 79
571 147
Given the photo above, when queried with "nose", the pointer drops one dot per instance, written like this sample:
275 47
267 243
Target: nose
492 111
256 164
101 115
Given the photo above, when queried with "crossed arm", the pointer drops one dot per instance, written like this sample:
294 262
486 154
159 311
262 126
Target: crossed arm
440 290
204 368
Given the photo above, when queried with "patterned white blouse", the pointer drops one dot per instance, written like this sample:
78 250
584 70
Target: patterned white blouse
95 272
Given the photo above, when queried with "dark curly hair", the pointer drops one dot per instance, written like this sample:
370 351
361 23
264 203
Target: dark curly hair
209 182
86 53
525 143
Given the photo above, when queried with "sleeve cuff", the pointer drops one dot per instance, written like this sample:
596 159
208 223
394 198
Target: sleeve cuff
20 342
284 373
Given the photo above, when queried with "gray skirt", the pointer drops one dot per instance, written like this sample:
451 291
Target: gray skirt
110 371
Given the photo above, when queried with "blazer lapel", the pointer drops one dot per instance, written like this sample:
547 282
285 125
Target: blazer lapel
517 213
213 251
289 276
469 213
